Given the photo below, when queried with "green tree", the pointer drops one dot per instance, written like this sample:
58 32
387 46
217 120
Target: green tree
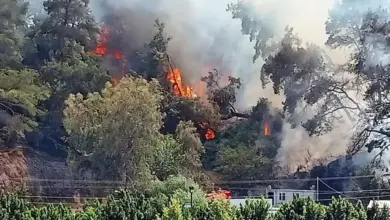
20 94
68 30
114 131
343 209
258 27
376 213
80 74
300 208
178 108
179 153
222 209
178 187
173 211
224 96
57 45
303 74
157 59
13 207
165 163
190 149
254 210
125 205
12 23
242 162
248 134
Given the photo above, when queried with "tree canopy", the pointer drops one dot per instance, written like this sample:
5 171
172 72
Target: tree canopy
121 108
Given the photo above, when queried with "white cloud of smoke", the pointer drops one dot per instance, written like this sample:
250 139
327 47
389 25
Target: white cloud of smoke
206 37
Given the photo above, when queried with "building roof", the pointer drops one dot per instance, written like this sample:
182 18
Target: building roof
291 190
381 203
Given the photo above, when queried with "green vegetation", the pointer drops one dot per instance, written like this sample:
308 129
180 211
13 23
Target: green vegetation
125 205
120 118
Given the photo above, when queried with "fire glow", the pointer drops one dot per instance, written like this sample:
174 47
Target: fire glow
174 76
101 46
209 133
101 49
219 194
178 87
267 129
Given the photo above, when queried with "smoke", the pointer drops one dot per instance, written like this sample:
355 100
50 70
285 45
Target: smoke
204 37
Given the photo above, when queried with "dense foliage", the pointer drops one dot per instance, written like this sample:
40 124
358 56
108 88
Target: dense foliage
125 205
82 91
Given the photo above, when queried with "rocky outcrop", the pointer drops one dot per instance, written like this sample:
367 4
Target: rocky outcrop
13 169
26 169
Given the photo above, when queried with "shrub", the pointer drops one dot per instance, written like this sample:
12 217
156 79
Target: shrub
254 210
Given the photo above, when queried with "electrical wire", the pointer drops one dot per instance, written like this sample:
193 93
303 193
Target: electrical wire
300 180
217 183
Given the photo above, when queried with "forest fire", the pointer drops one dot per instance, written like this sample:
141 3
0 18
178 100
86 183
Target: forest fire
209 133
101 46
101 49
174 76
178 87
267 129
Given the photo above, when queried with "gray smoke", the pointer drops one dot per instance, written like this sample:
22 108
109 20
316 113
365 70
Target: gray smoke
206 37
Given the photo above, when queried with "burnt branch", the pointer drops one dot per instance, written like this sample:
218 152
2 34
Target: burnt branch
235 114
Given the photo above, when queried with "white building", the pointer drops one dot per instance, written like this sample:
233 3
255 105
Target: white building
380 203
280 196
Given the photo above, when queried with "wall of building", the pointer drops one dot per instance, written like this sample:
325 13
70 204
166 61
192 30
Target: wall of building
284 195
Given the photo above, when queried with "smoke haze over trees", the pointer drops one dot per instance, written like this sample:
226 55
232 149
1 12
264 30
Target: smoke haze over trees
246 90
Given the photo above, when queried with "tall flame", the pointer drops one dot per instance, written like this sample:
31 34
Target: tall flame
178 87
267 129
174 76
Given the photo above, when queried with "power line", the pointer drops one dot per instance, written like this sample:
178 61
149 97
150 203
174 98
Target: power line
216 183
330 192
332 188
298 180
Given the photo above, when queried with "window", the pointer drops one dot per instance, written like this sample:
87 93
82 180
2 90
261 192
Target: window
282 196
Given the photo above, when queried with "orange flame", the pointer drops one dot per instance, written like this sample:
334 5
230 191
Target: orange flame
210 134
118 54
220 194
178 87
267 130
101 49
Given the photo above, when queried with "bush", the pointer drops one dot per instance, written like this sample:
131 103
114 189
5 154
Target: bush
173 212
375 213
254 210
300 208
343 209
125 205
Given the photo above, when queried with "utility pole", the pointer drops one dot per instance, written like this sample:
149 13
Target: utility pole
318 184
191 188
